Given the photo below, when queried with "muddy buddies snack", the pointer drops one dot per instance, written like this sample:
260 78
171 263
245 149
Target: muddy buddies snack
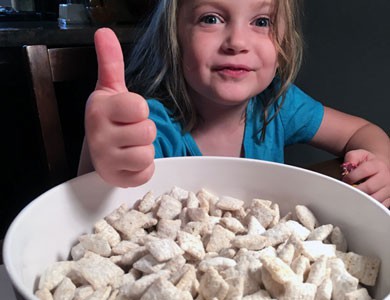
187 245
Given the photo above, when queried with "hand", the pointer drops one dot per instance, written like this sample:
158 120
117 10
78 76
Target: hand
371 175
118 131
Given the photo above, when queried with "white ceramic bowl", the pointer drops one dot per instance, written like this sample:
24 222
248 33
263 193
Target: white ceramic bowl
47 228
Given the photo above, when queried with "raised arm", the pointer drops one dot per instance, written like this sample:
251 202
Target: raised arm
118 134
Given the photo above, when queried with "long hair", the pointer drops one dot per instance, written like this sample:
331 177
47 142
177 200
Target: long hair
154 68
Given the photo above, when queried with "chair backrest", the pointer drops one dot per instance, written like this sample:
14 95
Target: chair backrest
53 73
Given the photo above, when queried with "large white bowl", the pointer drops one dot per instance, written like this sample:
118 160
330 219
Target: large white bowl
47 228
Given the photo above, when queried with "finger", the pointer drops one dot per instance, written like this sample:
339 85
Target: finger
125 179
386 203
127 108
137 134
133 159
357 156
111 70
381 195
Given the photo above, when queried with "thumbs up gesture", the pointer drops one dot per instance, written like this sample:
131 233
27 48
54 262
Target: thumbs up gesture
118 131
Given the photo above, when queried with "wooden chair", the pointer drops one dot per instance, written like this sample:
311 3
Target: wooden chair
61 80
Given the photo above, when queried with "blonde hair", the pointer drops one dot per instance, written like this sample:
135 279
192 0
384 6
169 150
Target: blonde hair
154 68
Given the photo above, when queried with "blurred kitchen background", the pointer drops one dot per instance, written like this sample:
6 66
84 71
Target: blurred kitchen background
346 66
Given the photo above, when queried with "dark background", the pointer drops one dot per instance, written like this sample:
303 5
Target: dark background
347 62
346 66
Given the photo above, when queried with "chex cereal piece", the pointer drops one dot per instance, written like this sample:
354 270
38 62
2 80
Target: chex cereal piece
360 294
250 242
83 292
168 228
192 201
124 247
254 226
55 273
314 249
197 214
212 285
277 234
259 295
188 282
324 290
43 294
113 296
337 238
98 271
147 202
298 229
162 289
169 208
342 281
276 219
233 225
318 271
229 203
101 293
207 200
77 251
191 244
220 238
148 264
132 256
106 231
261 211
301 266
65 290
278 269
163 249
95 243
320 233
130 222
274 288
218 263
286 253
302 291
179 193
306 217
364 268
236 288
116 214
138 288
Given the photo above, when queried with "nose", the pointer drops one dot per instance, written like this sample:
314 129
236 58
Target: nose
236 39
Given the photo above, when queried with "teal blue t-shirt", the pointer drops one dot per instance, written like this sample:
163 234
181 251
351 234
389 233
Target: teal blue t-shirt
297 122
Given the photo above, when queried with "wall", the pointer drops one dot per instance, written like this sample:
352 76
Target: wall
347 62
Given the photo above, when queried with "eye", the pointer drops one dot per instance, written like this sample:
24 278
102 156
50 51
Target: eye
263 22
210 19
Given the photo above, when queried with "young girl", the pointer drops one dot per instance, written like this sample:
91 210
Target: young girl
218 78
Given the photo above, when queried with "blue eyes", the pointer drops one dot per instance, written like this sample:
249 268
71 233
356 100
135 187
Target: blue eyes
213 19
210 19
262 22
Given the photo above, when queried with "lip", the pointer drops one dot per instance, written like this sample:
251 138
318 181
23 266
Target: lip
232 70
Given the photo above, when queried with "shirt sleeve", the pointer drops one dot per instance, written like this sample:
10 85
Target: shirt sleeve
301 116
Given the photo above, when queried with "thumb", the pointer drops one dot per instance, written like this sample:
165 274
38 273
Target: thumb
111 71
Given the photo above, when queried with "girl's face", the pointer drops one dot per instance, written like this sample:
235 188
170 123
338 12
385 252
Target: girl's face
228 53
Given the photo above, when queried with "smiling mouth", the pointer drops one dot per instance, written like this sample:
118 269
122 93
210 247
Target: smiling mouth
232 68
232 71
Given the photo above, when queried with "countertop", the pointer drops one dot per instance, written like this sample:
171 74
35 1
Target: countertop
15 34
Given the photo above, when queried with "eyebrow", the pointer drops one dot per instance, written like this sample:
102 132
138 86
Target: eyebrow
260 4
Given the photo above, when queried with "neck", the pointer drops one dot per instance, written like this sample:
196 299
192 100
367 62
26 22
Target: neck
220 131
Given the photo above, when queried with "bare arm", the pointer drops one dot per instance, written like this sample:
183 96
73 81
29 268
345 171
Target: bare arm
361 143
